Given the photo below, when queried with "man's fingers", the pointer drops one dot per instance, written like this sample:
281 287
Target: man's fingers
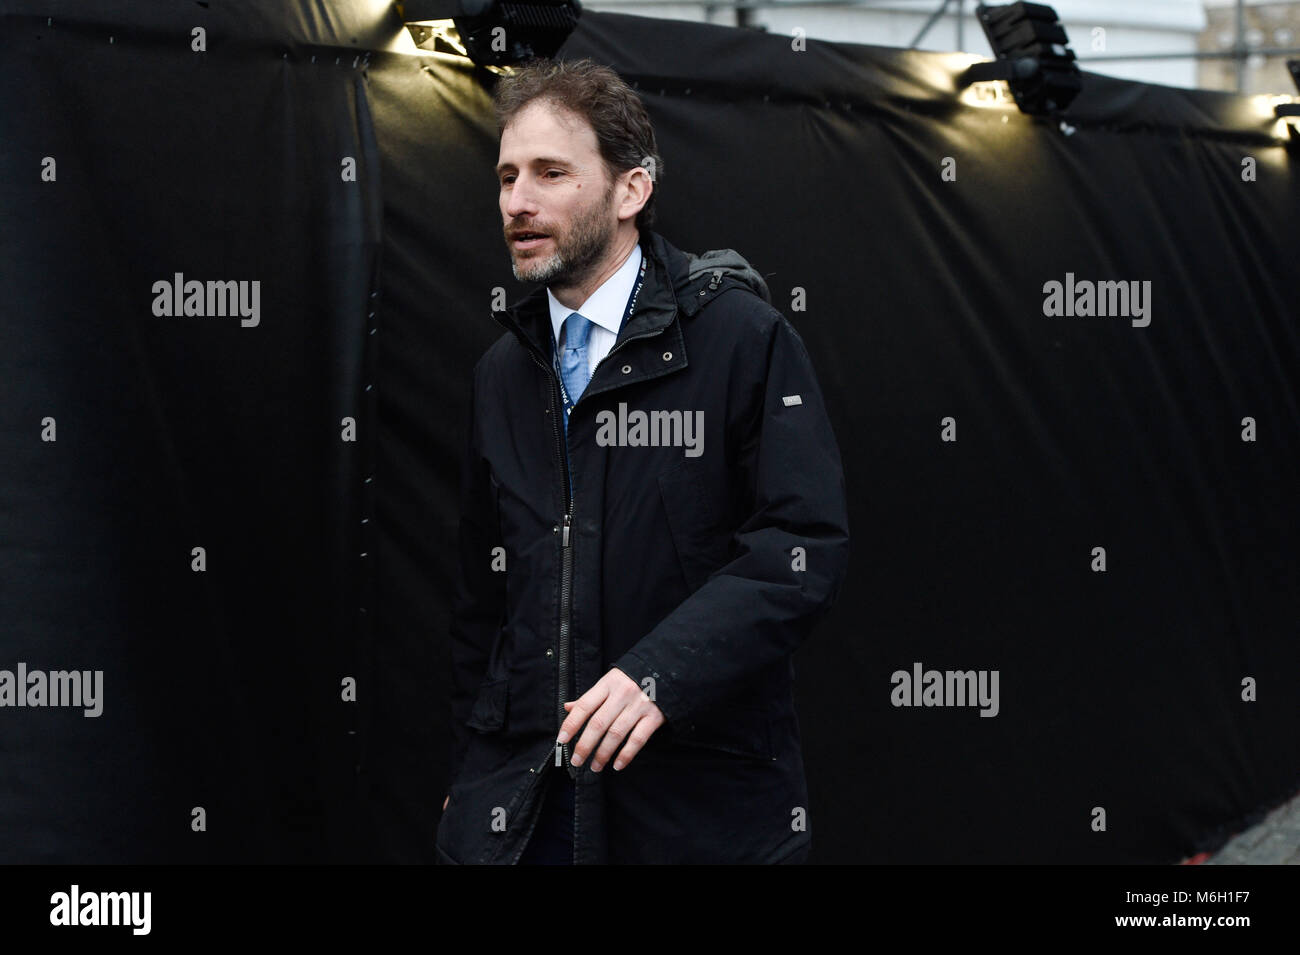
614 737
447 800
611 710
640 734
583 707
599 722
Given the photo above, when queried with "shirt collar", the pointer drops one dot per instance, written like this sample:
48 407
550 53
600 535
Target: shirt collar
605 306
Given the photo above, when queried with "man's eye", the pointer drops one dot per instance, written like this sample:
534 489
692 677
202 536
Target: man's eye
556 171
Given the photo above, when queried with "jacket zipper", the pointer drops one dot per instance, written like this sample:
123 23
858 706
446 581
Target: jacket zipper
566 597
566 561
566 551
566 564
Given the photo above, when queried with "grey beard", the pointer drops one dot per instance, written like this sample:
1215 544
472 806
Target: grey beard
546 275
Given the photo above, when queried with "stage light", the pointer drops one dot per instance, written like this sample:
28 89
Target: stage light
1033 57
1290 109
1284 110
492 33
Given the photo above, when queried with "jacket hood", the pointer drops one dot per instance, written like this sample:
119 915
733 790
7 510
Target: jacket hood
731 263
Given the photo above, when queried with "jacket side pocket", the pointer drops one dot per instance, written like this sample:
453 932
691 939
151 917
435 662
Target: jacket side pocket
741 730
488 713
699 539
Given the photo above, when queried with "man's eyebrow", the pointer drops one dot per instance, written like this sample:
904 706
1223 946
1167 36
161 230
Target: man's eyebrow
539 161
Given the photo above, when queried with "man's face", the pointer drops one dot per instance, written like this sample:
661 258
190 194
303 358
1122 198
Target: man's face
553 182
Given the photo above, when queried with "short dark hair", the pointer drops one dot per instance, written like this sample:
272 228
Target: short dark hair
596 93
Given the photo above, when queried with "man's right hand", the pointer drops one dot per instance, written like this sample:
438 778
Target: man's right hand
445 801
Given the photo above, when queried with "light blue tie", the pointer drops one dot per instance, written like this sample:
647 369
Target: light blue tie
573 358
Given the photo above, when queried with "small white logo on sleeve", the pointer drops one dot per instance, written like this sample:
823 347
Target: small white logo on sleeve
791 400
102 908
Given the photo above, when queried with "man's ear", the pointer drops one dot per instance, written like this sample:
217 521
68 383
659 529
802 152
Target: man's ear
639 186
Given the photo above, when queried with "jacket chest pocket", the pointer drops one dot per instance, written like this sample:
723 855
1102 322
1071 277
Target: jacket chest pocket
698 530
523 511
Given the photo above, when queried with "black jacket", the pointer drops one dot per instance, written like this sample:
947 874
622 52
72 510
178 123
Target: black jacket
695 574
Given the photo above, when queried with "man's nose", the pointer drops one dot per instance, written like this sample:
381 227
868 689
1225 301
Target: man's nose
520 199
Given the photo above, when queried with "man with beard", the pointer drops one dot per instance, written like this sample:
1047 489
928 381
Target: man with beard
638 591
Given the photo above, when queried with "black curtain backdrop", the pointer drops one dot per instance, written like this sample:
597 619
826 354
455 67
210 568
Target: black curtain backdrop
313 456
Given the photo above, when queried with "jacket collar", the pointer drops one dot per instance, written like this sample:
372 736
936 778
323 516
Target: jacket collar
661 297
605 306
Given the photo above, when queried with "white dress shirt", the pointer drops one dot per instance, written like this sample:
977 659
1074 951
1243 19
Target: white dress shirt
603 308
